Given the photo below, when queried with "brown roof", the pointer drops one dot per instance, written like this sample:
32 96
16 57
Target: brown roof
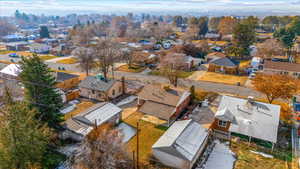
215 54
161 111
285 66
156 93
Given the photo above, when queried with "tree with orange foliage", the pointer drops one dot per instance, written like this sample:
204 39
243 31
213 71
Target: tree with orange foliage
102 149
226 25
275 86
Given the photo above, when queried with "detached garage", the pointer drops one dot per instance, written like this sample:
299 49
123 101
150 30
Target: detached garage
181 145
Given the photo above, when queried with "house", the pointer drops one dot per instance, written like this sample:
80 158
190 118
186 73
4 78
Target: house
247 117
283 68
223 65
16 46
256 62
214 55
13 38
181 145
66 81
39 48
163 102
97 88
77 127
11 71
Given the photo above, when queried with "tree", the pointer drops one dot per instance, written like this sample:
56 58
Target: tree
178 21
213 23
6 28
270 48
106 51
275 86
102 149
40 90
171 65
288 37
243 36
23 138
203 26
85 58
227 25
44 32
295 25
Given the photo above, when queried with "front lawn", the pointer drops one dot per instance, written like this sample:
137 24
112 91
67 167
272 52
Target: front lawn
181 74
68 61
244 64
47 57
132 69
249 160
148 135
223 78
4 52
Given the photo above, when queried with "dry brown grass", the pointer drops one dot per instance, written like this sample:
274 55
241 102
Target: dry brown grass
249 160
68 61
133 68
47 57
244 64
147 137
79 108
223 78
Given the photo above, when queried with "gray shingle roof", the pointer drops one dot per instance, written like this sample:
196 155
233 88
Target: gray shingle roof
62 76
94 83
224 61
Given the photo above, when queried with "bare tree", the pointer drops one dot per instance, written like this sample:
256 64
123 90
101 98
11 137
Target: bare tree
6 28
85 57
171 65
269 49
102 149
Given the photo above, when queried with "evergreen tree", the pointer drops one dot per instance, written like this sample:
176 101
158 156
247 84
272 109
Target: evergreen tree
40 92
44 32
288 37
23 140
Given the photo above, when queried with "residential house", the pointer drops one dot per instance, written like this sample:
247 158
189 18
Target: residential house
13 38
214 55
77 127
163 102
283 68
247 117
10 71
98 88
39 48
224 65
256 62
16 46
181 145
66 81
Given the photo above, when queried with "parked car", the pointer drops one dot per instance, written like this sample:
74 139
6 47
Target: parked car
13 55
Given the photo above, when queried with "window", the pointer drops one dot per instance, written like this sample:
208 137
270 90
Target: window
93 91
113 92
222 123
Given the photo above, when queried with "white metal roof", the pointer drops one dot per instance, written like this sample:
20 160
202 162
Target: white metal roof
255 119
103 113
184 138
12 69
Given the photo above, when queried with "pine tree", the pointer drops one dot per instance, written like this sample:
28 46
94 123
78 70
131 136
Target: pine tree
40 91
44 32
23 140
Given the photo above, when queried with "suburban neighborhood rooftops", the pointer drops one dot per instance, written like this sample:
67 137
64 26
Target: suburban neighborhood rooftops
96 83
183 139
95 115
255 119
62 76
158 110
224 61
158 94
215 54
284 66
11 69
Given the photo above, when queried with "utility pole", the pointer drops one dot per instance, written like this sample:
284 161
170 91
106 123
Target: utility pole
137 145
133 160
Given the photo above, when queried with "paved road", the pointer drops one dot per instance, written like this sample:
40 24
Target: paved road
207 86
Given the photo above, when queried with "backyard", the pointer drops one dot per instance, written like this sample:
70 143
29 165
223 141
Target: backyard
180 74
79 108
68 61
133 68
223 78
148 135
249 157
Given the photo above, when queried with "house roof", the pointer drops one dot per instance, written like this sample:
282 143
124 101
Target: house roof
97 114
255 119
62 76
161 111
96 83
215 54
11 69
183 139
284 66
224 61
156 93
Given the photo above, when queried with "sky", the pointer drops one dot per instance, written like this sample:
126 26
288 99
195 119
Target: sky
62 7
